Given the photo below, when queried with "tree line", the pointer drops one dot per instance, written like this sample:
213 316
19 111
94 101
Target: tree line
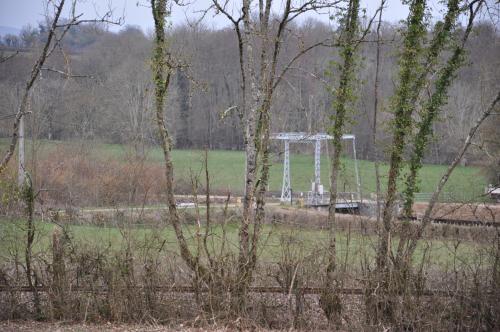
108 95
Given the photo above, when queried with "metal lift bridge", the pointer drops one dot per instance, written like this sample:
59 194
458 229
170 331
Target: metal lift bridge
317 196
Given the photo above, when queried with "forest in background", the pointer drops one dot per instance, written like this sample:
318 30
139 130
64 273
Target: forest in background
110 93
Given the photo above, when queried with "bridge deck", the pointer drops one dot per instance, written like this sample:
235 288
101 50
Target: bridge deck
339 205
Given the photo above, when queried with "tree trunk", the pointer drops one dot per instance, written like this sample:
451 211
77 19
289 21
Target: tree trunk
428 116
162 70
330 300
427 218
35 72
410 69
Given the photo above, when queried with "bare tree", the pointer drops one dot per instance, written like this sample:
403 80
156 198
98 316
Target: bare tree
417 66
57 31
429 113
344 97
162 67
260 75
416 63
375 152
492 109
183 138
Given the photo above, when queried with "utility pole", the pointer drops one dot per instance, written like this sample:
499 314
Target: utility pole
20 174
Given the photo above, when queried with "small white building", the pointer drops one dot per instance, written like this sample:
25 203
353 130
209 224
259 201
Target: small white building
493 192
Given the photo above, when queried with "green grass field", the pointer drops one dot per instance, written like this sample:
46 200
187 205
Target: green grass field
227 169
351 248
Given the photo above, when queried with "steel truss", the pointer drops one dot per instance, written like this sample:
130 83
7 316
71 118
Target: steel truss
300 137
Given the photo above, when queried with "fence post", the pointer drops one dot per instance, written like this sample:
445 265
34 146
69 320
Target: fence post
58 275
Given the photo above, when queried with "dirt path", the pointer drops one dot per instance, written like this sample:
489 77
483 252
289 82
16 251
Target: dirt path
462 211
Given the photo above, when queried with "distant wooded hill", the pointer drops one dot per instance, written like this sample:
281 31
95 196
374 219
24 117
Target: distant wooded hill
113 104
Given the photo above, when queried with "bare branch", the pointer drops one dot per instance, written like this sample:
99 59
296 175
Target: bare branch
66 74
368 28
313 75
323 43
312 5
29 84
53 41
468 141
4 59
223 10
8 116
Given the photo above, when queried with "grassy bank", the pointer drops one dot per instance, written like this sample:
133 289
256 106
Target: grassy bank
353 248
227 168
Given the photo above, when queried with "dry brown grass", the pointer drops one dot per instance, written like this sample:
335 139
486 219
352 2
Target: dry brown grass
80 180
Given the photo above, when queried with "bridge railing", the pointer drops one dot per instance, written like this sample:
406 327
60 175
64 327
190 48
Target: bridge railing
314 198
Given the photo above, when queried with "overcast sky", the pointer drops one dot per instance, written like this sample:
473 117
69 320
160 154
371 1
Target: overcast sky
18 13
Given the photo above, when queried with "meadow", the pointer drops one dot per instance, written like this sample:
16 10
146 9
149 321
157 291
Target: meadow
227 168
353 247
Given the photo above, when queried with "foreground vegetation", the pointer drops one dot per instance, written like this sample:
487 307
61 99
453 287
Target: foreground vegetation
129 273
354 247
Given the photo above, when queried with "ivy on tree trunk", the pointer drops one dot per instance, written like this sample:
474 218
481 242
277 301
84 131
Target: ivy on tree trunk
410 69
428 116
344 96
162 71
